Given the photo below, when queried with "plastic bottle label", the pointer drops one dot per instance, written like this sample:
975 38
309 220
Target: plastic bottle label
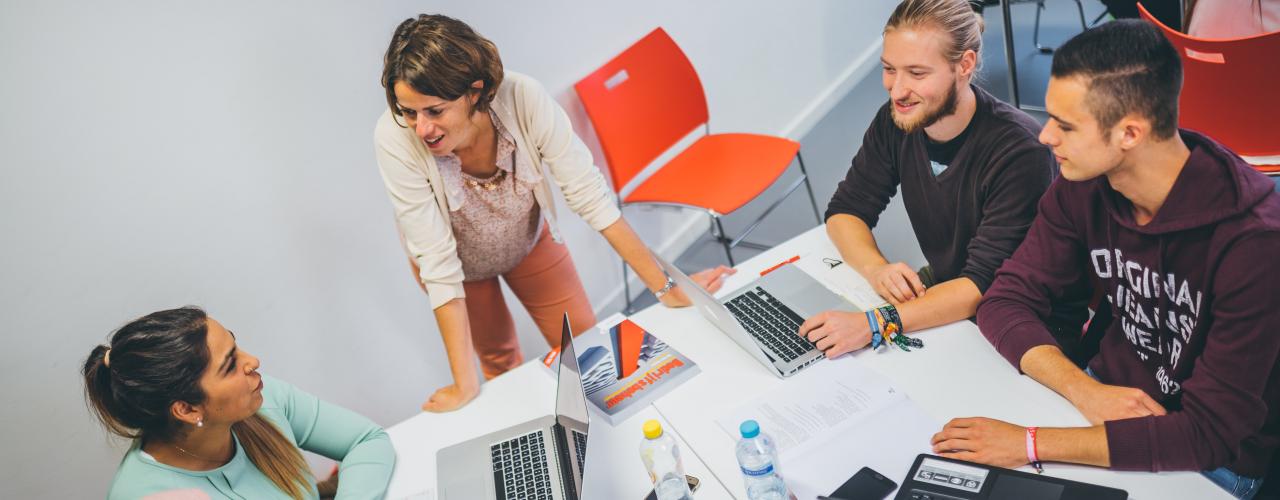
763 471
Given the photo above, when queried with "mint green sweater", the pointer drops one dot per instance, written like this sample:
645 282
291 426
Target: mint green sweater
363 449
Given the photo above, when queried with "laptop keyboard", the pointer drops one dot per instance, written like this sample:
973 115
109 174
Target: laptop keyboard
580 443
773 324
520 468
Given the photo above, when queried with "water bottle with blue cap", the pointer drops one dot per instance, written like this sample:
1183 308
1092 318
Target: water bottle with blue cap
758 458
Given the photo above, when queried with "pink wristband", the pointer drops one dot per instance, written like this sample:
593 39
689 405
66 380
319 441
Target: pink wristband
1033 454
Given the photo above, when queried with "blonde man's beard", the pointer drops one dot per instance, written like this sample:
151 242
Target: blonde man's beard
930 116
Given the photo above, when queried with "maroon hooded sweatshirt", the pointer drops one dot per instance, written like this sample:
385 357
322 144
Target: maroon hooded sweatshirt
1195 309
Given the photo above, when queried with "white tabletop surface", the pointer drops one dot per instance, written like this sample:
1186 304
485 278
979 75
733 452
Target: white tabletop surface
957 374
613 467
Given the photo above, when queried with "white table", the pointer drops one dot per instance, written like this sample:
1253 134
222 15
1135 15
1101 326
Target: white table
957 374
523 394
956 356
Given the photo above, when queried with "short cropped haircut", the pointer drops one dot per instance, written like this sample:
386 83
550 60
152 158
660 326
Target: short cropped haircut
1130 67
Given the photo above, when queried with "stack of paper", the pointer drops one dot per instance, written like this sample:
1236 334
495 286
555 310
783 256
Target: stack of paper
833 419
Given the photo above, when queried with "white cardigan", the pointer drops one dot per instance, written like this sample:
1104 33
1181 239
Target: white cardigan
541 130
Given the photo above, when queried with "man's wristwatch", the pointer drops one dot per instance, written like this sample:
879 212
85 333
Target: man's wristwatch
665 288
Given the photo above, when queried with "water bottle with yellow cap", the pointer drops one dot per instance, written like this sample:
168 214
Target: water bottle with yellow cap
661 458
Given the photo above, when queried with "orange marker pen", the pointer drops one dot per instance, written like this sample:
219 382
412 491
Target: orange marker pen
780 264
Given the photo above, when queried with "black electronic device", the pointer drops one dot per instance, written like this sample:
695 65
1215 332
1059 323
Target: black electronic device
867 484
937 478
694 483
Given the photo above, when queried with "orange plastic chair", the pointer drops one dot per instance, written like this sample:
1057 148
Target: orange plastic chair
1218 75
642 103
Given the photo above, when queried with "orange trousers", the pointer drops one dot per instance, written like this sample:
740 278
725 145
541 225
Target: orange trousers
547 284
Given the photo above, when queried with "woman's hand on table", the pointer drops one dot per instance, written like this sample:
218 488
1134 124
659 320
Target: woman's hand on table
710 280
450 397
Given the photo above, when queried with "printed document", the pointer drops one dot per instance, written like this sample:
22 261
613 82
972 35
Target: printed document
835 418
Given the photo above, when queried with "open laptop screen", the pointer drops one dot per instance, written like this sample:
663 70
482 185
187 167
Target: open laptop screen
571 408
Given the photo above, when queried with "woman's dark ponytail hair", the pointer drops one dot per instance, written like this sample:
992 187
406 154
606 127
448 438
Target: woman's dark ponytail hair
154 361
158 359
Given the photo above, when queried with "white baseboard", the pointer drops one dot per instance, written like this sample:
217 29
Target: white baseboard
696 223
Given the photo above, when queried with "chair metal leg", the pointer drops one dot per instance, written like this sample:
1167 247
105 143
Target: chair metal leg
808 187
757 246
724 240
717 226
1012 75
1100 16
773 206
1035 32
627 309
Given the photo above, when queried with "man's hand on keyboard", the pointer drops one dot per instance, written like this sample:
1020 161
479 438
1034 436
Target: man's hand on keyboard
837 332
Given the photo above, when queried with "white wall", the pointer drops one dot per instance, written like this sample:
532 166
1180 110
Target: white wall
155 154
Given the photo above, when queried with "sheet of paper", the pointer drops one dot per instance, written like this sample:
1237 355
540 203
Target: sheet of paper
888 446
815 403
825 265
831 420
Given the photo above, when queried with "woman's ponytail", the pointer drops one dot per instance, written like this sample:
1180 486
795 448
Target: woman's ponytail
158 359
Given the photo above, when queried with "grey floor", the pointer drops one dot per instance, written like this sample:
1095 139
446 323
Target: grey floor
830 146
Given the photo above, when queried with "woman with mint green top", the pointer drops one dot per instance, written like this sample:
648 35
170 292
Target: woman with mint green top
207 425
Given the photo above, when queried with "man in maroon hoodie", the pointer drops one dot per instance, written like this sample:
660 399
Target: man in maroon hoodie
1182 235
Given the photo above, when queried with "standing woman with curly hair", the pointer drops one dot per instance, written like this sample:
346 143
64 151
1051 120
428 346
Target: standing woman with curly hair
206 425
468 153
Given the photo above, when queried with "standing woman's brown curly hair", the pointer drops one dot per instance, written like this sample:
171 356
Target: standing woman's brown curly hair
441 56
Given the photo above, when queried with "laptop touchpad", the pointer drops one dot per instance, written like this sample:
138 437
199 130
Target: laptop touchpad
803 294
1010 487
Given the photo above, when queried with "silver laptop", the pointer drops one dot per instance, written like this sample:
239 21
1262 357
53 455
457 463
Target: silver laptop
541 459
764 316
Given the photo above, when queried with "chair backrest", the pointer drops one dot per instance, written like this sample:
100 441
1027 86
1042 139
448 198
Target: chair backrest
641 103
1229 88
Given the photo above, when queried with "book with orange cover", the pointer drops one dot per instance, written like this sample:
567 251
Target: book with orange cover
624 367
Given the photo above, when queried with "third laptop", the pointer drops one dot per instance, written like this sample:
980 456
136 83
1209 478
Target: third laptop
764 316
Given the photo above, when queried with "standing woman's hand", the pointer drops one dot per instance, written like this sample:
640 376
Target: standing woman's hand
450 397
710 280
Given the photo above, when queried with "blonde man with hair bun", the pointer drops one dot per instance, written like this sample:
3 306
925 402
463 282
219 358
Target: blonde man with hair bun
969 167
